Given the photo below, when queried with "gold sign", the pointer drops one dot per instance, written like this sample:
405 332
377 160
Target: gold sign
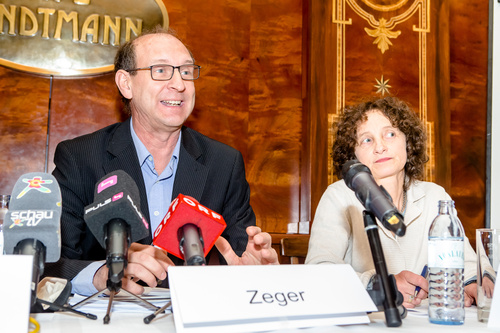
72 37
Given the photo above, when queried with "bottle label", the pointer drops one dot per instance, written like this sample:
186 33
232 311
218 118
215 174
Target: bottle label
446 253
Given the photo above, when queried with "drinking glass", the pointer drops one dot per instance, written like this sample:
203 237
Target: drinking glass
488 258
4 206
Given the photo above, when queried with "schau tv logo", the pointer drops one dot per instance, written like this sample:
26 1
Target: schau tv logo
31 217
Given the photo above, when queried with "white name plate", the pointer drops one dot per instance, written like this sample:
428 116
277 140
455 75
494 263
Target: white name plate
263 298
494 317
15 291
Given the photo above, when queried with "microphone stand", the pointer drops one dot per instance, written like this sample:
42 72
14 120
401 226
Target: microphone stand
36 248
66 308
152 316
384 293
114 288
117 240
191 246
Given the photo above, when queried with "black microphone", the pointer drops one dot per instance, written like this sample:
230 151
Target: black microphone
191 245
32 226
115 220
374 198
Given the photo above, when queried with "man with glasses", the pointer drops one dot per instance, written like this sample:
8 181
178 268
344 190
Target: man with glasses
155 75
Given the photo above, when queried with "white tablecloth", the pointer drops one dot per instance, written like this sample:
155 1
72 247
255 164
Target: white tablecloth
416 321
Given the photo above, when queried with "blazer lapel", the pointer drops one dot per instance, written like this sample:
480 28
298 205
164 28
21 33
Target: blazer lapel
415 204
124 157
191 175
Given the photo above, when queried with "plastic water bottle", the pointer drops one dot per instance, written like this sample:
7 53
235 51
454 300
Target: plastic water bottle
446 267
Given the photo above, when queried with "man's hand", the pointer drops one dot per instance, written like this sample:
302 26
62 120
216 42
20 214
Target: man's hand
407 282
145 263
259 250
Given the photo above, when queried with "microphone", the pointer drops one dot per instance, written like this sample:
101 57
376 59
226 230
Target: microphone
32 226
115 221
374 198
189 230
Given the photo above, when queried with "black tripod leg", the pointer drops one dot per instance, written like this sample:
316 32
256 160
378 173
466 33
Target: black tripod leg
140 299
66 308
114 289
85 300
152 316
107 318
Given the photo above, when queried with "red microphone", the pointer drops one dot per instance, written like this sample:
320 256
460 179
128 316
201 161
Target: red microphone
189 230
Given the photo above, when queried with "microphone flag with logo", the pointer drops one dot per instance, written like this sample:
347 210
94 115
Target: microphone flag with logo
116 197
35 213
183 211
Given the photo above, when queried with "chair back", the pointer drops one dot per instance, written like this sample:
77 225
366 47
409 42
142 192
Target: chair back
295 247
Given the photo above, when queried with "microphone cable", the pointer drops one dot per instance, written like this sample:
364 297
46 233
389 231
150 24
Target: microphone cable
37 325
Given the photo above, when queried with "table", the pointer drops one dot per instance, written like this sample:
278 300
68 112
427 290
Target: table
416 321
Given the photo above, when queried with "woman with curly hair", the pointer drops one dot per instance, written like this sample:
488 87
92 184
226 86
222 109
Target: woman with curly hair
389 138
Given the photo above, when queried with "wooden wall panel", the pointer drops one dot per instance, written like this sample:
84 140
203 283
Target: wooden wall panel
24 102
221 110
398 49
81 106
438 95
249 96
275 112
457 55
321 85
468 105
265 90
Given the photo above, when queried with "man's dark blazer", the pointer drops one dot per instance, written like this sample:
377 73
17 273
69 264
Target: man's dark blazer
209 171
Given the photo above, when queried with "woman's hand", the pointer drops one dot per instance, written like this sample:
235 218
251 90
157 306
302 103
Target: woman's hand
470 292
406 282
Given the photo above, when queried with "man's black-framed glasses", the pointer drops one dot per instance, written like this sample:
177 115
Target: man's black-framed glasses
164 72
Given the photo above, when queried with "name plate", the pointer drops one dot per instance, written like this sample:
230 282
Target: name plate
494 318
15 291
263 298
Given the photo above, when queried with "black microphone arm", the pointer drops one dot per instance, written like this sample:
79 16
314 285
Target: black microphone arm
34 247
385 293
191 246
117 238
378 204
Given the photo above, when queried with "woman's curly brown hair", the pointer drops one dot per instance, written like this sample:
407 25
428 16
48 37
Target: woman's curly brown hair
401 116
